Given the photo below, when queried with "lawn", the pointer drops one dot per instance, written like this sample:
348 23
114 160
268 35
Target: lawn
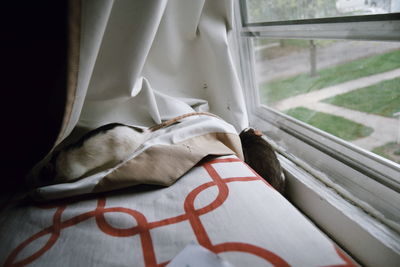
280 89
381 99
338 126
390 151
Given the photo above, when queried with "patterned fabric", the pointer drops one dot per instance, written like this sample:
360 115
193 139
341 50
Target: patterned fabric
220 204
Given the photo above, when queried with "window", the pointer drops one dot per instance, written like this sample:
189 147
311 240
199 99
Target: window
322 80
350 89
292 10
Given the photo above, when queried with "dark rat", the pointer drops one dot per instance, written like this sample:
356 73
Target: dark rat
261 157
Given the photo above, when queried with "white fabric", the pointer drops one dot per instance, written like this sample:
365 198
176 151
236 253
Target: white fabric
221 205
197 256
145 61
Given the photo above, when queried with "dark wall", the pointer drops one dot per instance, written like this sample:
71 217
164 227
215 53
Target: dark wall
34 68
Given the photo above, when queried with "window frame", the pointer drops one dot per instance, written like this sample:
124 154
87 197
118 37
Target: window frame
312 187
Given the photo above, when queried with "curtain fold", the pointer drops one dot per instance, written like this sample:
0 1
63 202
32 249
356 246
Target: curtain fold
142 62
93 18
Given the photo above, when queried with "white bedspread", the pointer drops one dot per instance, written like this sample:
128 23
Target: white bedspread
220 204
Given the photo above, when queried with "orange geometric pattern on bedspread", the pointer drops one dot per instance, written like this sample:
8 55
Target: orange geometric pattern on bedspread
143 227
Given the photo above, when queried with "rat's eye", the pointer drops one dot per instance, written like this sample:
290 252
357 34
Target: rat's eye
47 172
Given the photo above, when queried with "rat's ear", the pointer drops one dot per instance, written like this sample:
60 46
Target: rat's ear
258 132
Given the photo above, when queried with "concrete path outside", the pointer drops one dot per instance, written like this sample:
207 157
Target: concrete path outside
315 96
385 129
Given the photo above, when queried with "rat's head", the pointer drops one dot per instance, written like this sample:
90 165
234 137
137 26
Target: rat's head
249 132
64 170
42 173
48 171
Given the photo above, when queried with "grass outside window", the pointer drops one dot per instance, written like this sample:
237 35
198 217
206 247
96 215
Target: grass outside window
274 91
338 126
381 99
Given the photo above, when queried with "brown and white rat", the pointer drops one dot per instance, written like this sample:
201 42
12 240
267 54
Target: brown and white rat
107 145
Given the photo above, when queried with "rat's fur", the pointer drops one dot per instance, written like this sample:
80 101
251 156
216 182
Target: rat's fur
109 144
261 157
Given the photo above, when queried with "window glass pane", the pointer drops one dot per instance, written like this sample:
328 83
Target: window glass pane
283 10
350 89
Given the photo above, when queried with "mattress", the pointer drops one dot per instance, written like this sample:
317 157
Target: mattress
221 204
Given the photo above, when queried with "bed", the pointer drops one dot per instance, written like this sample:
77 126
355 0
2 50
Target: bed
220 204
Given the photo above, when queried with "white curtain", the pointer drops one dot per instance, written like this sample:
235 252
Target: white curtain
142 62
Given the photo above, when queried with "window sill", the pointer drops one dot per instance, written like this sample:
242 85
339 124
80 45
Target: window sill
366 239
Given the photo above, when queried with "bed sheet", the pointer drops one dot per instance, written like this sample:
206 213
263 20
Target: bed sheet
220 204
